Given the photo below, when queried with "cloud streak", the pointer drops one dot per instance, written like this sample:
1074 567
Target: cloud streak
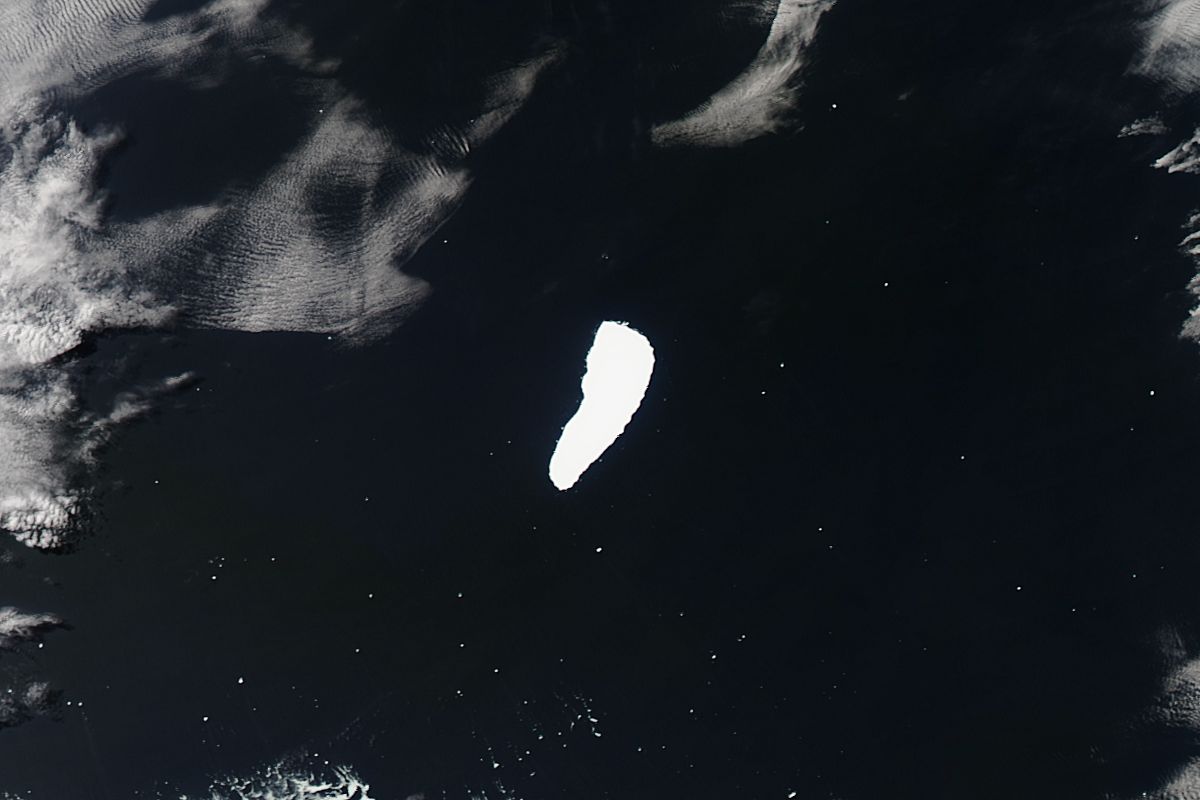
759 100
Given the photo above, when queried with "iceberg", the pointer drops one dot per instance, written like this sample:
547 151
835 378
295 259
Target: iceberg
619 365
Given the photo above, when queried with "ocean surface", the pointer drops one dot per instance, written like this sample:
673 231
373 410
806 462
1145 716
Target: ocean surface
295 301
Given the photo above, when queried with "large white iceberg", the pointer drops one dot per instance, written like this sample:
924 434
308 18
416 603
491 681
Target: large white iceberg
619 366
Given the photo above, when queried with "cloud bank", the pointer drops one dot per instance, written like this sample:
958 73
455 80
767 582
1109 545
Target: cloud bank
266 255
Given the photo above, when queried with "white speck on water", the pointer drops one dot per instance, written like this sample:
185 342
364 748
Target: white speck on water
241 681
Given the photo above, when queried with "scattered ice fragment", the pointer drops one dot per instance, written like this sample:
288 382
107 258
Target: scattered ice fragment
619 366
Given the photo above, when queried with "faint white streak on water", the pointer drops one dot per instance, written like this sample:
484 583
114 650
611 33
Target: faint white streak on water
619 366
759 100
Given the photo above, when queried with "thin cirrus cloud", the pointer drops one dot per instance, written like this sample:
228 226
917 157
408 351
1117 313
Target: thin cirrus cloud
758 101
1170 38
269 258
1175 713
619 365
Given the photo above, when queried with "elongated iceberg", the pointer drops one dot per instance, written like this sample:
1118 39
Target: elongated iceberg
619 366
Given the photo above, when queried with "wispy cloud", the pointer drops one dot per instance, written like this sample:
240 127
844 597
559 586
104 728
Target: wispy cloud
22 699
1171 38
759 100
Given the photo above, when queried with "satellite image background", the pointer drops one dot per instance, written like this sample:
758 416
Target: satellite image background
295 300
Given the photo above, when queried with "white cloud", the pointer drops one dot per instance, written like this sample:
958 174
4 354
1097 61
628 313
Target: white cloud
619 365
1171 38
58 280
16 626
1146 126
758 100
1176 709
1185 158
258 257
267 257
19 703
64 47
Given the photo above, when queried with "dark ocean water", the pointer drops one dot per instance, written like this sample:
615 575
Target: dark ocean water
907 512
